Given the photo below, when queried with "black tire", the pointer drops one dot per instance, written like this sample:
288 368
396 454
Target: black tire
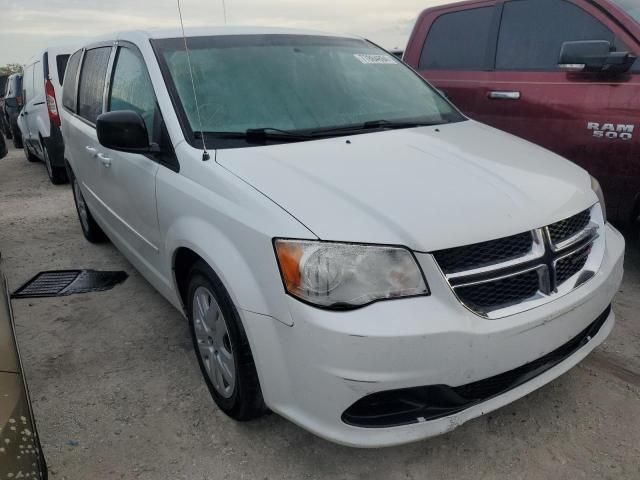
90 229
27 153
57 175
17 137
245 402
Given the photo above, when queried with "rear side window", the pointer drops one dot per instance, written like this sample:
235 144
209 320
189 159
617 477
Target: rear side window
69 96
533 31
458 41
61 65
92 81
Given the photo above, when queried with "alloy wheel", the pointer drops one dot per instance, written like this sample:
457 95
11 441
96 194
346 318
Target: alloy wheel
214 344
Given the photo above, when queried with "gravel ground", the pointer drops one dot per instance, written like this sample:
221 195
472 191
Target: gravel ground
117 392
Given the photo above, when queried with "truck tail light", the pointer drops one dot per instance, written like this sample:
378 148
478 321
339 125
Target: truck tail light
52 106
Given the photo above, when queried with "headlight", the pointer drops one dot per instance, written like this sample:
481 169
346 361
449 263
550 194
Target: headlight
595 186
342 275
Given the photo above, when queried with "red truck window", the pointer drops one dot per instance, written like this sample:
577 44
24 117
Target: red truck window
532 33
458 41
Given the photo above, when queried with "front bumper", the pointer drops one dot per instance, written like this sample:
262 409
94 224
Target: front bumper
313 372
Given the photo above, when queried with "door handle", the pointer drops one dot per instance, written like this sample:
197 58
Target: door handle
91 150
106 161
501 95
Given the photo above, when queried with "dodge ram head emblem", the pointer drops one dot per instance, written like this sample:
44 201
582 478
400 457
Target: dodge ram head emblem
611 130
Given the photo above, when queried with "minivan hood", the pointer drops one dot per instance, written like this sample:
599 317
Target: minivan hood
426 188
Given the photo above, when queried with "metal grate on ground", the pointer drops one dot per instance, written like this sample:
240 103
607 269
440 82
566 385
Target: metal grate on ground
66 282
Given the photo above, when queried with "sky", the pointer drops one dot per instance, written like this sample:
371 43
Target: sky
29 26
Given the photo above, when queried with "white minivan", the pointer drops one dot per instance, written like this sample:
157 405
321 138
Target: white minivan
39 120
350 250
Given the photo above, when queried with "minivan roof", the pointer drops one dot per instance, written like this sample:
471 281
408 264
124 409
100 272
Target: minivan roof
138 35
53 51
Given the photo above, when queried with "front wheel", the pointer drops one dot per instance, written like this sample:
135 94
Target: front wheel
221 347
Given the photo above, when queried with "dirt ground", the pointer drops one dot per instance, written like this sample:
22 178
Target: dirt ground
117 392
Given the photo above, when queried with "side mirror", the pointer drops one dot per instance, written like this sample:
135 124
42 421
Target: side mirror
593 56
11 102
123 130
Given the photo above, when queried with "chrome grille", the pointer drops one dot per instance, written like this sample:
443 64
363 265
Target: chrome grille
504 276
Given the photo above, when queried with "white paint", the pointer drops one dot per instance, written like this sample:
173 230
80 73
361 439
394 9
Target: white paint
425 188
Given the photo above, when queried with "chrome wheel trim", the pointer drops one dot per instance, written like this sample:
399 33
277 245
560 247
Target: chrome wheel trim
83 213
214 344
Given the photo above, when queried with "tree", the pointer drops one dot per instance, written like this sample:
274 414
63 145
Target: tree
10 68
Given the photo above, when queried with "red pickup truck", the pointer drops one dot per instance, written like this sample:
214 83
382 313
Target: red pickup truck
560 73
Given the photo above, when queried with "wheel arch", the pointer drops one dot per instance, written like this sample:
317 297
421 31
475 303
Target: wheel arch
249 273
69 170
183 260
42 145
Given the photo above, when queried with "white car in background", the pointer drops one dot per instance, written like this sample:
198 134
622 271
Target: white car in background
39 120
350 251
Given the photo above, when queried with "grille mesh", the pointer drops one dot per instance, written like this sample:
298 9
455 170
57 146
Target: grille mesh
454 260
497 274
500 293
567 228
572 264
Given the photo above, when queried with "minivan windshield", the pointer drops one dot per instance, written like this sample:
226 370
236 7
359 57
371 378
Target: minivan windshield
294 84
632 7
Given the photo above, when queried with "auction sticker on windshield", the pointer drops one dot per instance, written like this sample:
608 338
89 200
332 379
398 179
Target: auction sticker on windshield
375 59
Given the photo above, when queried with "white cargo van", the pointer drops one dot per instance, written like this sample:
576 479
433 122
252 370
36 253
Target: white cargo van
39 121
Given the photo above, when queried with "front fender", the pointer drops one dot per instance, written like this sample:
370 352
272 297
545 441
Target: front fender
230 226
250 280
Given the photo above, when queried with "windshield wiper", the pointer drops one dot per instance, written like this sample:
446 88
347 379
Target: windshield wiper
269 133
374 125
262 134
259 135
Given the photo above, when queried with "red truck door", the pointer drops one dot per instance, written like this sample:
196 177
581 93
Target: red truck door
591 119
455 56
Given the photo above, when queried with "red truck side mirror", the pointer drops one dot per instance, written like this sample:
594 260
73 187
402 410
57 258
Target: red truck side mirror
595 56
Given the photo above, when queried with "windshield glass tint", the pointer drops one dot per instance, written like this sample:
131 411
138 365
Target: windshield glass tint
294 82
632 7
